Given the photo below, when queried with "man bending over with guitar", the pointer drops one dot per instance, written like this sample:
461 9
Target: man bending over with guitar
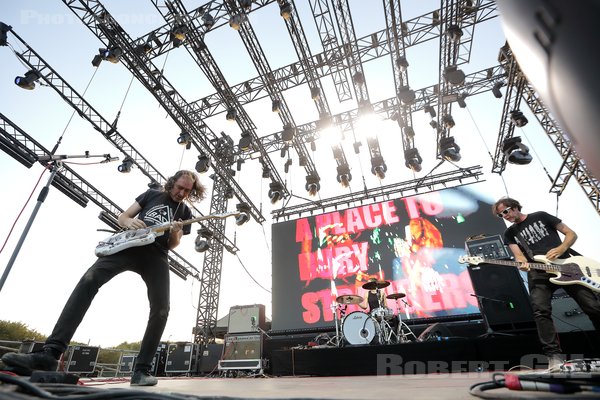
150 261
536 234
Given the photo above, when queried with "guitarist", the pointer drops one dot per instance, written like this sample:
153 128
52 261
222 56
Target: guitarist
535 234
152 207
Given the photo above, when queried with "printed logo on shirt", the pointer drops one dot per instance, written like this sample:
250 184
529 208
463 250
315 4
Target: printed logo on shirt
535 232
158 215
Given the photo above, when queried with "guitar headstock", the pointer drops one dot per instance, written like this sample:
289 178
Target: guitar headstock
470 260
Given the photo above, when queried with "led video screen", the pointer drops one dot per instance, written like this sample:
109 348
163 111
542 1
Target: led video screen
413 243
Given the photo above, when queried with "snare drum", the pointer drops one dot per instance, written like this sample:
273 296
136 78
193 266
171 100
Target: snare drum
382 312
359 328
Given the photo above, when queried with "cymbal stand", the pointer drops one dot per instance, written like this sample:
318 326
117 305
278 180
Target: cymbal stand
402 335
337 339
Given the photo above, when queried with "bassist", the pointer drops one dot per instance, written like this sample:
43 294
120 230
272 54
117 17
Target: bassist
535 234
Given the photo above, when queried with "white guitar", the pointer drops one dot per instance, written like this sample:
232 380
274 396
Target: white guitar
142 237
573 270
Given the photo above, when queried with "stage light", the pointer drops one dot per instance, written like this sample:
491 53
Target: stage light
154 185
343 175
356 146
244 210
359 78
315 93
435 18
245 143
240 161
285 10
143 48
275 192
27 81
454 76
178 35
449 150
246 4
460 100
378 167
276 106
302 161
518 118
288 134
515 151
413 160
409 132
406 95
228 193
496 89
185 139
402 63
208 21
231 115
266 172
454 33
312 184
237 20
448 121
429 109
203 164
3 33
202 242
113 55
287 165
125 167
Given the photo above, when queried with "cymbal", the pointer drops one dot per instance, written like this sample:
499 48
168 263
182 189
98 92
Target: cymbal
349 299
395 296
375 285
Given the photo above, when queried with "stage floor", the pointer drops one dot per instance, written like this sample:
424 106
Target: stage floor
452 386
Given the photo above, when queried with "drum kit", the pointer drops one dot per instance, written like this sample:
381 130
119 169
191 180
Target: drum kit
359 327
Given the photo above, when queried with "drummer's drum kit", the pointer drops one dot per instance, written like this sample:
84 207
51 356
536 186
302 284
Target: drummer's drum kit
380 325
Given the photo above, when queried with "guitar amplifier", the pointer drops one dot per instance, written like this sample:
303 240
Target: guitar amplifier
567 314
244 319
490 247
242 351
82 359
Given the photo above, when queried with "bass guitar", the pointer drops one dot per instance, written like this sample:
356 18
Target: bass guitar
142 237
576 270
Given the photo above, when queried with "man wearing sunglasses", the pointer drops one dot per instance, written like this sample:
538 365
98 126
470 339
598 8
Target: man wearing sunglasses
534 234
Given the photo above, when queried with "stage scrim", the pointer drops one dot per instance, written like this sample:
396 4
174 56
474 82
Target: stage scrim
414 242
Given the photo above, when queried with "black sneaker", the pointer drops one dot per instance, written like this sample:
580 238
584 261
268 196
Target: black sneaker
143 378
32 361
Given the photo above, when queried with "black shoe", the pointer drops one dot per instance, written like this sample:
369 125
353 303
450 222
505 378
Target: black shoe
143 378
32 361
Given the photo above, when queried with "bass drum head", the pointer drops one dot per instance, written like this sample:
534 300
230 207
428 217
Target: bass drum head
358 328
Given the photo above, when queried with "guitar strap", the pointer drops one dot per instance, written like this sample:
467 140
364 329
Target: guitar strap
524 246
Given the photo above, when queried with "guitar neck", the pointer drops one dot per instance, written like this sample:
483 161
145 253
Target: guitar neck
533 265
167 226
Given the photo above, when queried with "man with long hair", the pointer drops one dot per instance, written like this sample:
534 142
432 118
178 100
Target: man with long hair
153 207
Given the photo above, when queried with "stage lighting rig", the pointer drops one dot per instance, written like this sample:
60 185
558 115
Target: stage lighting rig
343 175
203 163
402 63
288 134
449 150
312 184
244 210
245 143
275 192
178 35
448 121
406 95
3 33
378 167
208 21
125 167
413 160
28 81
515 151
276 106
454 76
237 20
518 118
285 9
113 55
185 139
202 242
496 89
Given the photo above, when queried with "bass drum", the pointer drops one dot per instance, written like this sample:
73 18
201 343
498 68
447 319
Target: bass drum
359 328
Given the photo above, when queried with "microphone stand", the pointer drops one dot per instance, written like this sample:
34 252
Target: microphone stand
56 164
490 331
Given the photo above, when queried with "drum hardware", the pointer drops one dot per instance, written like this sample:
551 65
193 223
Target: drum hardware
403 331
359 327
349 299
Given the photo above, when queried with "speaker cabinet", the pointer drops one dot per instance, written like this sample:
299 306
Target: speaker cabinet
503 299
244 319
567 315
209 358
242 351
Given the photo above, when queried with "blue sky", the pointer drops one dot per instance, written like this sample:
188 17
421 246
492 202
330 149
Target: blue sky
59 247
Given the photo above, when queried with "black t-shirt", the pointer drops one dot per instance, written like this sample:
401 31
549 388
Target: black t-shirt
158 208
538 231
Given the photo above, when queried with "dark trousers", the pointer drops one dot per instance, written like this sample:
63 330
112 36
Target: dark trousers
540 293
151 264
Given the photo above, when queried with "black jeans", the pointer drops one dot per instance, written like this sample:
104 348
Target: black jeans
151 264
540 293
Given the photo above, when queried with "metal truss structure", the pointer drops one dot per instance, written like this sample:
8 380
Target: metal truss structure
343 56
